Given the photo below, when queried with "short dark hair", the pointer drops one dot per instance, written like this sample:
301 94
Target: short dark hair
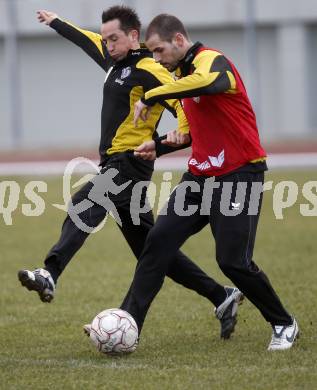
127 17
166 26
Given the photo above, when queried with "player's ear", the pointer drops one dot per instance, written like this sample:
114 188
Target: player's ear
179 39
134 35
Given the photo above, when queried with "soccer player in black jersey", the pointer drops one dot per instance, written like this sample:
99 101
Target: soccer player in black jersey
130 71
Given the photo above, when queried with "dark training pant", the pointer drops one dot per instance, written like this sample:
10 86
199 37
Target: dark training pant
182 270
234 237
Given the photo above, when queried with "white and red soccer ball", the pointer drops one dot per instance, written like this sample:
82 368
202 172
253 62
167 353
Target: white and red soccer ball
114 331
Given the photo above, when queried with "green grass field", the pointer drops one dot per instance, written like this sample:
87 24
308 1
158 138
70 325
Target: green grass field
42 346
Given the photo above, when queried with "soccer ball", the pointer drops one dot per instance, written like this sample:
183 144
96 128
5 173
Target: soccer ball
114 331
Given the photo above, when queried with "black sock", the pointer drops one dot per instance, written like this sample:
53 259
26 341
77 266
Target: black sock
218 295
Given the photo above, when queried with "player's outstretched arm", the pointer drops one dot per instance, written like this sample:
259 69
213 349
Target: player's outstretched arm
88 41
46 17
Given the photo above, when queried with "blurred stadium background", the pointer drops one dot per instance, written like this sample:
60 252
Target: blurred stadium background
50 101
50 95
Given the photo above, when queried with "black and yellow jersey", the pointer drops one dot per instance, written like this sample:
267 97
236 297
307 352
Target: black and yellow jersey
125 83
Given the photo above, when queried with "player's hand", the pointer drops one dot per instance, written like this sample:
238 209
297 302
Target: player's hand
146 151
175 138
142 111
46 17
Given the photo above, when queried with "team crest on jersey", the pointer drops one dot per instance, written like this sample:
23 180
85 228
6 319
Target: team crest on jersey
125 72
196 99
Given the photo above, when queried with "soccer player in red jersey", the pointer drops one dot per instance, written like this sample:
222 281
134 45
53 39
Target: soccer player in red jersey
224 180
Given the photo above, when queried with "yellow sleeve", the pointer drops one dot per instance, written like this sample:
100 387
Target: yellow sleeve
95 38
157 75
88 41
182 122
202 81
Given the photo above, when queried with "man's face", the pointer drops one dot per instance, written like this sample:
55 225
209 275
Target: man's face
166 53
117 41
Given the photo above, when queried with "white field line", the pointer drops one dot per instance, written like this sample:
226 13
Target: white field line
275 161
